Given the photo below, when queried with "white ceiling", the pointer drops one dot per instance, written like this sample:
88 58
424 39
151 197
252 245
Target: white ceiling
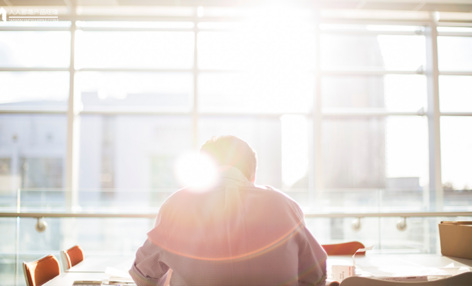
464 6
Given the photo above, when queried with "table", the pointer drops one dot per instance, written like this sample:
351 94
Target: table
402 264
373 264
67 278
98 264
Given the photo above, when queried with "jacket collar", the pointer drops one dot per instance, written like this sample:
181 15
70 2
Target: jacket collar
232 176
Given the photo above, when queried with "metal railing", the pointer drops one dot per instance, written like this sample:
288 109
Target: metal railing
308 215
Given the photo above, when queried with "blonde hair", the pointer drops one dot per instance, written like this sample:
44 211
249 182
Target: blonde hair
233 151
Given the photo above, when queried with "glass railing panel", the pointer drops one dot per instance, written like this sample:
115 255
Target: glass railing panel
340 201
8 200
122 200
43 200
7 250
150 200
409 200
457 200
411 235
338 230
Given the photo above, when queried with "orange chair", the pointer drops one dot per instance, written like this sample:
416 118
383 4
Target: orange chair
347 248
41 271
71 257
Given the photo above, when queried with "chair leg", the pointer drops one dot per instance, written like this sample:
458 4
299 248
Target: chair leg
25 274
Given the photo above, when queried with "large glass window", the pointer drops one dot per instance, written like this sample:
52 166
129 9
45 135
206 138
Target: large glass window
456 152
390 52
143 49
128 162
391 92
266 49
32 155
34 49
261 92
372 153
454 53
454 93
36 90
138 91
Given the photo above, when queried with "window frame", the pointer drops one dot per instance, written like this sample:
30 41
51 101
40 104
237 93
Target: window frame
317 113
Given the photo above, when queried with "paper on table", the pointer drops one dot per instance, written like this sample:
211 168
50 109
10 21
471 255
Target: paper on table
117 275
110 271
456 270
360 250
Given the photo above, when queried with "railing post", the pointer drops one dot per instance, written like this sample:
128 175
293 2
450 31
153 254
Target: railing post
73 132
316 184
432 76
436 193
195 72
17 238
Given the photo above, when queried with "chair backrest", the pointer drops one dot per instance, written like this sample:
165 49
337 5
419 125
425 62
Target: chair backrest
41 271
72 257
64 260
347 248
463 279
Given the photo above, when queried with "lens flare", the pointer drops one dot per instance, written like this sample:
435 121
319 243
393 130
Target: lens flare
196 171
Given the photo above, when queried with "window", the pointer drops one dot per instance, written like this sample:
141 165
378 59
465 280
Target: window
456 152
134 91
34 49
32 148
454 92
166 50
454 53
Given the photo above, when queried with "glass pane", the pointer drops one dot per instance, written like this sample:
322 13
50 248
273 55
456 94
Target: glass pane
7 251
104 236
128 161
396 92
420 236
139 91
454 93
456 153
390 52
32 151
339 230
454 53
380 28
173 50
256 92
34 89
259 49
34 49
372 153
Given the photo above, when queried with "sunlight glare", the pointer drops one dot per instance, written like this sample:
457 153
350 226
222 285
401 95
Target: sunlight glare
294 148
197 171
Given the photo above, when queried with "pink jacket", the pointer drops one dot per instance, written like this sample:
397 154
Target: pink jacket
233 234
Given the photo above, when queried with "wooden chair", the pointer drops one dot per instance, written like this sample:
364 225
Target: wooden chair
463 279
41 271
347 248
71 257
